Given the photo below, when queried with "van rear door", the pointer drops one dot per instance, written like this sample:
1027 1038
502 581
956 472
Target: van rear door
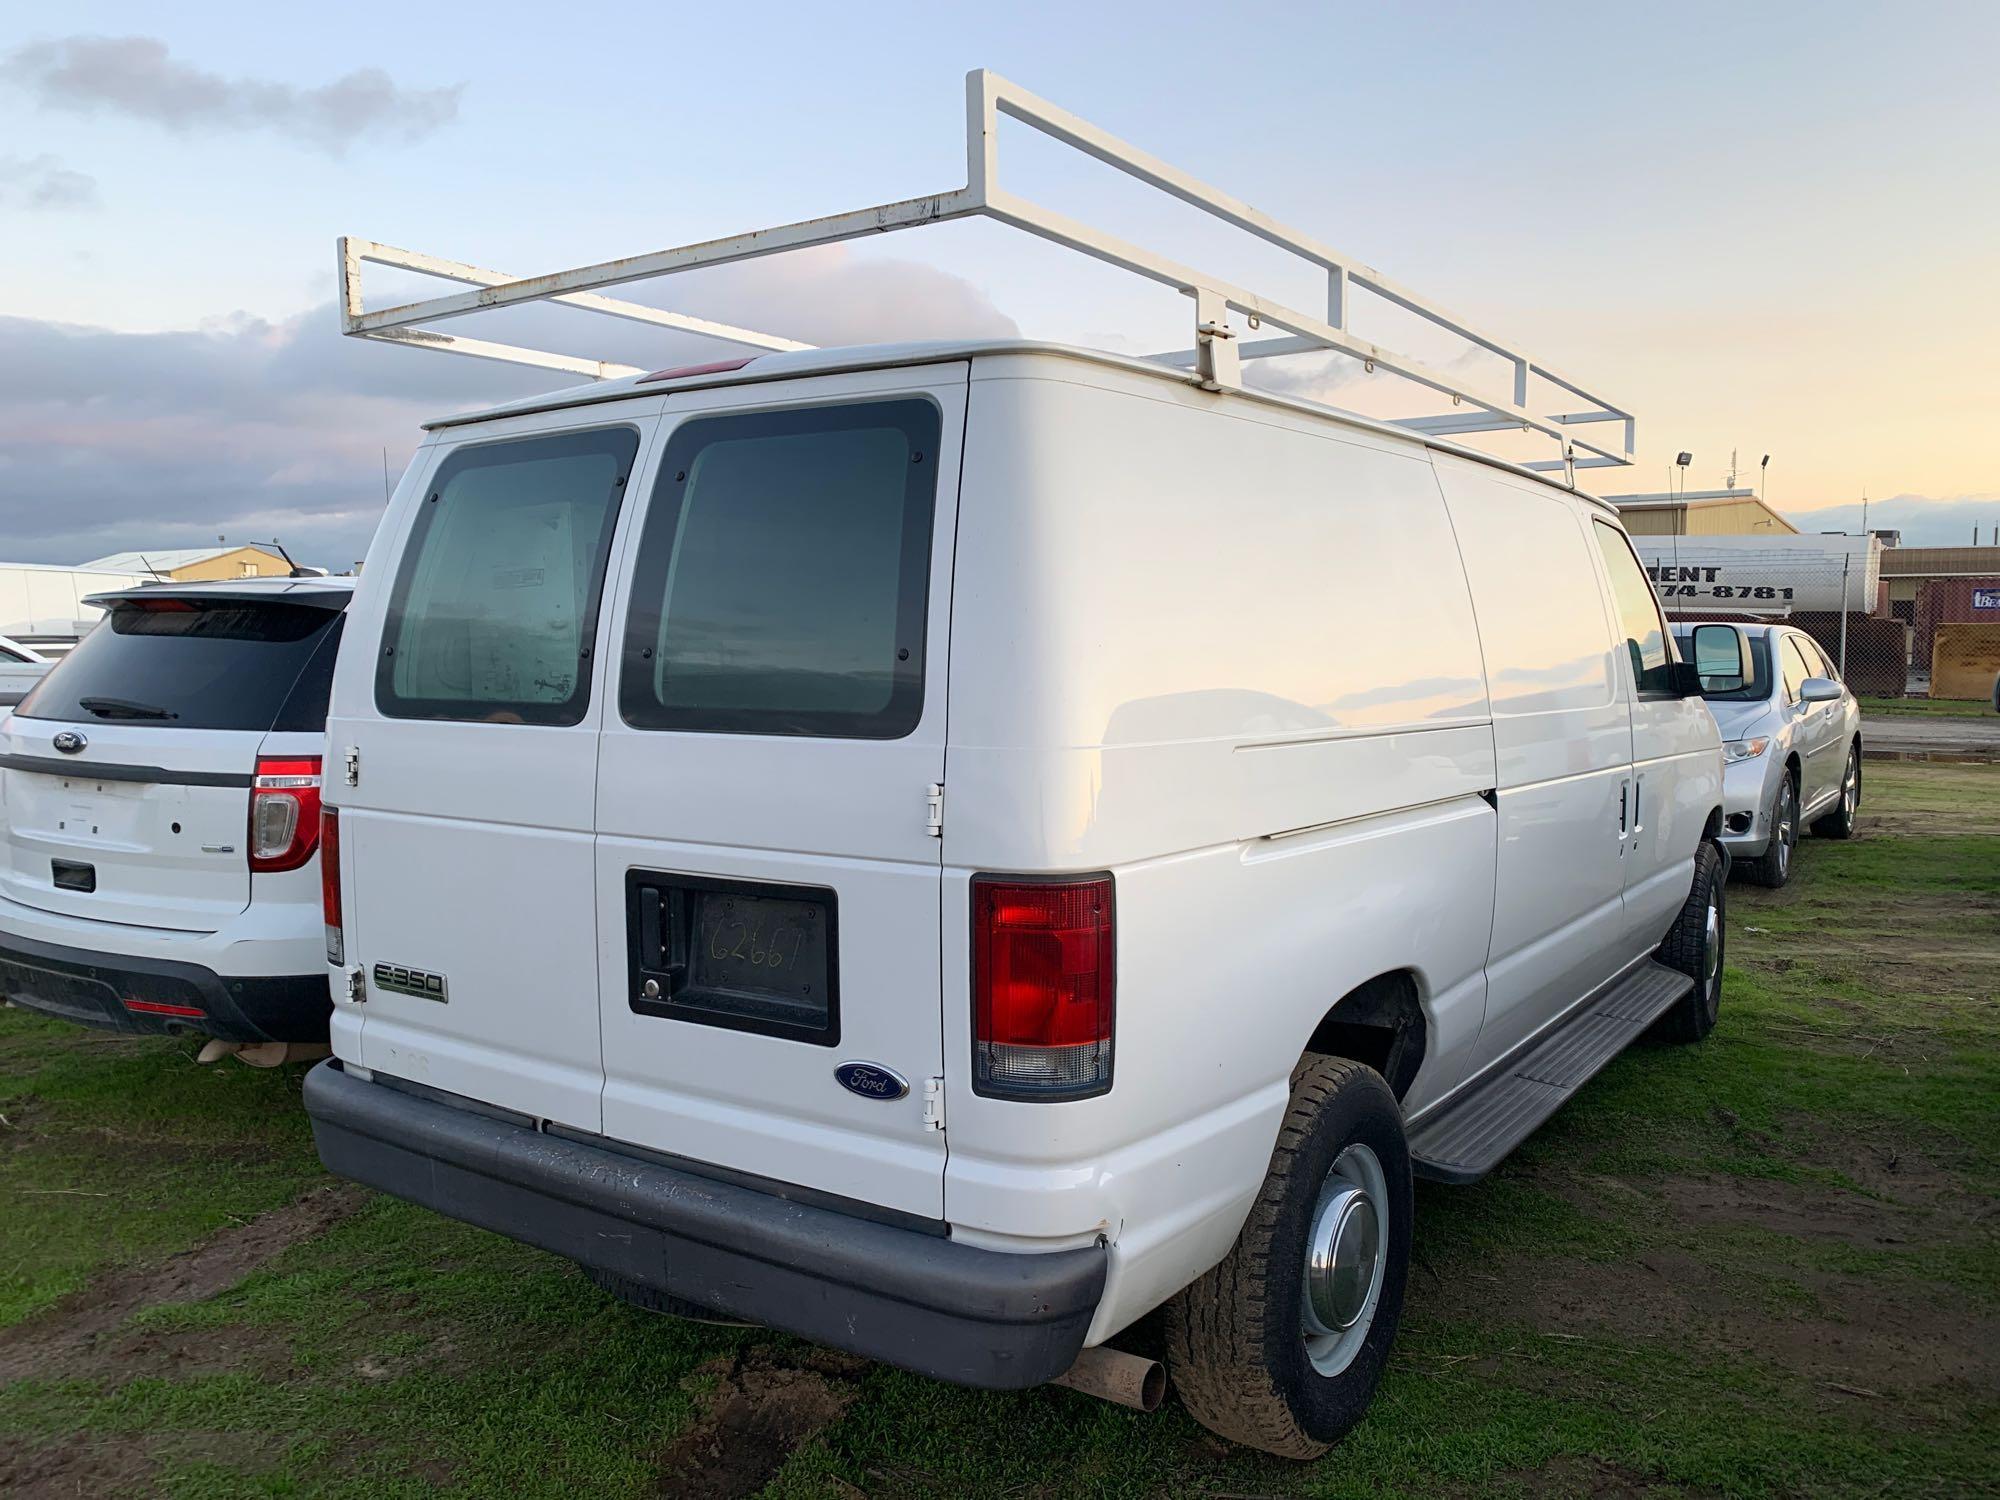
469 698
768 885
126 773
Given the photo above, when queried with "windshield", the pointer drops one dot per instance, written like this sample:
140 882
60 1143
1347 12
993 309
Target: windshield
196 664
1755 688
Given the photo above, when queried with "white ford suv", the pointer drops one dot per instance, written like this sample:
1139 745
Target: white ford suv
159 864
947 848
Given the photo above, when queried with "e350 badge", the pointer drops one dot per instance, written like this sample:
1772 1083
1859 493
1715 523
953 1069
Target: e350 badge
401 981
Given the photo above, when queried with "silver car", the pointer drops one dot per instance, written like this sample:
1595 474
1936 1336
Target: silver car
1791 740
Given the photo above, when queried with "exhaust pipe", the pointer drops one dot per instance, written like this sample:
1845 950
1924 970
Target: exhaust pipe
1115 1376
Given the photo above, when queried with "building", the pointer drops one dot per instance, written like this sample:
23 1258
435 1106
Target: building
1938 589
1701 513
198 564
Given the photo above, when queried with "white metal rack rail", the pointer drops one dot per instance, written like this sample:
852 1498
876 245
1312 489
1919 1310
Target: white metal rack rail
1214 360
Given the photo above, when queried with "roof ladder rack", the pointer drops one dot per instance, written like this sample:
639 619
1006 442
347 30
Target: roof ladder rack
1214 358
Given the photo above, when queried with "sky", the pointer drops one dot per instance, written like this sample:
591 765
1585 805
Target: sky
1770 228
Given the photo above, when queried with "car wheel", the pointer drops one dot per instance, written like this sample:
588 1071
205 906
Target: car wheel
1696 947
1281 1346
1839 824
1774 866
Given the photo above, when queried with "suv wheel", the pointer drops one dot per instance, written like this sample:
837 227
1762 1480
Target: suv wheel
1281 1346
1839 824
1774 866
1695 947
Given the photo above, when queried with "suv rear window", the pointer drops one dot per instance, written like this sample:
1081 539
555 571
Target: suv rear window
783 575
196 664
495 606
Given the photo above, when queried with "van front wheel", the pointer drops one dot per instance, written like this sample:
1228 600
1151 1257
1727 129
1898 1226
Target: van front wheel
1281 1346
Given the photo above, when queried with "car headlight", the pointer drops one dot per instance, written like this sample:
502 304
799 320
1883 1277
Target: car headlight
1735 750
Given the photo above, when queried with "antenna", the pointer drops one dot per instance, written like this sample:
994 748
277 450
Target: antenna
385 474
1730 483
295 573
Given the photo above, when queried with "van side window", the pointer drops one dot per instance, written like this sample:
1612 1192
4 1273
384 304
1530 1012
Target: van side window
493 611
1638 612
783 575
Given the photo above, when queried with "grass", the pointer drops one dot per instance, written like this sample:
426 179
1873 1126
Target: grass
1765 1265
1949 708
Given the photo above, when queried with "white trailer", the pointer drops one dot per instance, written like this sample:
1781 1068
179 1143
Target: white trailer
42 605
1779 576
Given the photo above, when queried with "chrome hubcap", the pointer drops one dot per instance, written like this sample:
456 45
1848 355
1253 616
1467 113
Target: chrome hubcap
1344 1260
1711 951
1850 785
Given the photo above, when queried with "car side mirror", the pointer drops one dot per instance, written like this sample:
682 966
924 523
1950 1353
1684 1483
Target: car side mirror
1819 690
1686 679
1721 656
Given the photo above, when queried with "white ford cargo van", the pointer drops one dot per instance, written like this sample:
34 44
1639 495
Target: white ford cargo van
946 848
159 816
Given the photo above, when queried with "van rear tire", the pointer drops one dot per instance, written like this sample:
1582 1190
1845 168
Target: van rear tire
1257 1357
1696 947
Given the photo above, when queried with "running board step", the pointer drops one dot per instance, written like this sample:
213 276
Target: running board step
1474 1134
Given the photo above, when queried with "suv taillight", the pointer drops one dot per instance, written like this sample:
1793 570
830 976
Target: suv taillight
1043 986
284 812
329 884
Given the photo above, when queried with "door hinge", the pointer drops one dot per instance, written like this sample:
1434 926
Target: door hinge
354 765
934 810
357 986
933 1104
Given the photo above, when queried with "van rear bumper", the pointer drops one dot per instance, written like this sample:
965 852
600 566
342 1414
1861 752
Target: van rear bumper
900 1295
120 992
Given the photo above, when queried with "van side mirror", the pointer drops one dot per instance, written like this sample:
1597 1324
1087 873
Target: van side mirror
1721 657
1818 690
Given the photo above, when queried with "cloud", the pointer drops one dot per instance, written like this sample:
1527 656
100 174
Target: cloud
43 182
135 76
112 441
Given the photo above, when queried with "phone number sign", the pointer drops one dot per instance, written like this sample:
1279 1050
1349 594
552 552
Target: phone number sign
1685 582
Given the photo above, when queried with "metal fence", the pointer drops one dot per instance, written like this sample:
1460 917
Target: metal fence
1891 634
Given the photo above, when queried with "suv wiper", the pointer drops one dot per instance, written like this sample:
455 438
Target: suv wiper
124 708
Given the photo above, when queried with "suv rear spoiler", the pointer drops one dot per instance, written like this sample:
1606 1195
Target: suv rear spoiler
314 595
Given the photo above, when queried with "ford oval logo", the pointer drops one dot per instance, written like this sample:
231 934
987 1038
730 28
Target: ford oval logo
69 742
870 1080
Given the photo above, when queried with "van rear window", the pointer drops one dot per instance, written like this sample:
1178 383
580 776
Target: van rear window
196 664
783 575
495 605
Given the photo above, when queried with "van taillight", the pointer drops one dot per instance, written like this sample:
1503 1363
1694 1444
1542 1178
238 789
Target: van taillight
329 884
284 812
1043 987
